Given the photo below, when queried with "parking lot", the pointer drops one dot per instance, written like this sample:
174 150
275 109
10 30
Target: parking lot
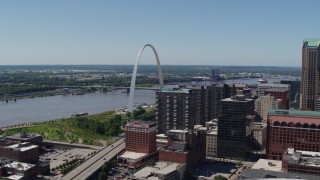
60 156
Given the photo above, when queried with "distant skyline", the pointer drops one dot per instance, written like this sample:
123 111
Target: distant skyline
231 32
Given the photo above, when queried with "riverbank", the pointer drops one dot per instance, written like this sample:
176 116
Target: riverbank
14 97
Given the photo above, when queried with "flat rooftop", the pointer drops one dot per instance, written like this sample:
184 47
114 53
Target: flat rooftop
176 90
212 132
141 124
161 136
305 158
132 155
294 113
160 168
165 167
17 146
263 174
268 165
239 99
19 166
14 177
178 131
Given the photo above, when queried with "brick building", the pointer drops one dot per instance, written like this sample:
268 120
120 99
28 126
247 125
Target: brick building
22 152
304 162
140 144
185 146
284 95
141 136
17 170
292 129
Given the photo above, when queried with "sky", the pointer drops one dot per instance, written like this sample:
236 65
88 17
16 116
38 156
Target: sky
202 32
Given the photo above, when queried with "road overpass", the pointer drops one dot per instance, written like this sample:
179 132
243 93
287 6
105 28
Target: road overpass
89 167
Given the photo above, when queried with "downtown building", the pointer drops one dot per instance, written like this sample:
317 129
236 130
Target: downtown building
141 145
304 162
292 129
294 92
284 95
185 108
264 103
185 147
265 86
235 127
310 74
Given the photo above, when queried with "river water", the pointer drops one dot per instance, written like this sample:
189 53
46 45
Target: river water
55 107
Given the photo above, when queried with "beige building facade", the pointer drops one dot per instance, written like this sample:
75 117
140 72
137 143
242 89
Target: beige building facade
264 103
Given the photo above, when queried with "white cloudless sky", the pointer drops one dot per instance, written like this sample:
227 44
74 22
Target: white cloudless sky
204 32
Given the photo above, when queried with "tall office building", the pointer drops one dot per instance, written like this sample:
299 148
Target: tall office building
235 126
180 109
310 74
184 108
294 92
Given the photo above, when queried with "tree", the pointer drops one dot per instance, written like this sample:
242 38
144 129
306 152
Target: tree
220 178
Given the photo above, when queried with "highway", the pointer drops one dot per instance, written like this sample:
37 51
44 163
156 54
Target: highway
95 162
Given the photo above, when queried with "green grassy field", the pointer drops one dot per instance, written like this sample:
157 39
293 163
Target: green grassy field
91 129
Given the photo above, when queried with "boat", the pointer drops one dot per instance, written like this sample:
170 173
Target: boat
263 81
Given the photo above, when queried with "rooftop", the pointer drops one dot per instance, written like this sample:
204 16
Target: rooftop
274 85
261 174
160 168
213 131
22 147
161 136
294 113
14 177
178 131
145 124
276 90
306 158
269 165
184 90
312 42
19 166
132 155
236 99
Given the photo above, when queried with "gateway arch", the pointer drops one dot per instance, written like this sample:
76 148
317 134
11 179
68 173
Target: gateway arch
134 74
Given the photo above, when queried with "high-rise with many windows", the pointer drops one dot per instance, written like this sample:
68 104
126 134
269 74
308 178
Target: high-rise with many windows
235 126
310 73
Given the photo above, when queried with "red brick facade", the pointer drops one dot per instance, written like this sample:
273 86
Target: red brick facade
27 156
301 169
284 95
301 133
141 137
177 157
